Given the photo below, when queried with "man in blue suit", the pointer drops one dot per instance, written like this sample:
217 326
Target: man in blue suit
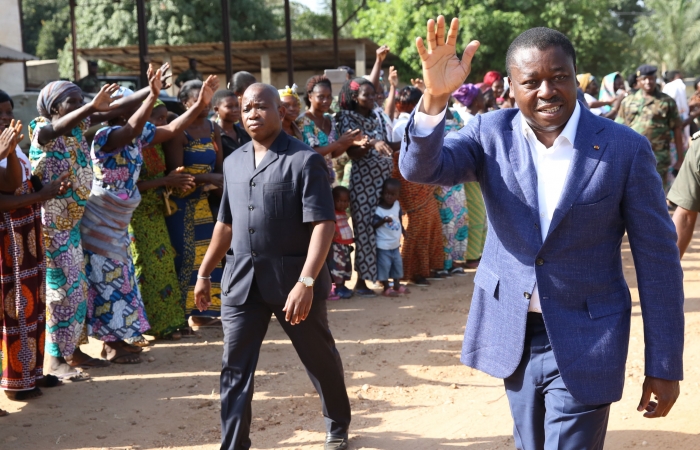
551 309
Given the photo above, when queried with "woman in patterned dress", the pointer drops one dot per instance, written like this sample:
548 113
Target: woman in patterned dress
318 127
22 268
115 306
154 256
58 147
191 223
371 165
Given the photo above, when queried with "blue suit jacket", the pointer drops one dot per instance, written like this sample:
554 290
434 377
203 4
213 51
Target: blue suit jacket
612 188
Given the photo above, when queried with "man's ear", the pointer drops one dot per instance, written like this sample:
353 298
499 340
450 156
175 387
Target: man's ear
282 111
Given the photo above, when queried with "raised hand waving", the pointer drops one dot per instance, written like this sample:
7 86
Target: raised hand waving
443 71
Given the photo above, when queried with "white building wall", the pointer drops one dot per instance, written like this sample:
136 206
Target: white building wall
11 74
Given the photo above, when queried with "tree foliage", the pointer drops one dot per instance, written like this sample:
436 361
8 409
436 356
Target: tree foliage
669 35
602 36
169 22
46 26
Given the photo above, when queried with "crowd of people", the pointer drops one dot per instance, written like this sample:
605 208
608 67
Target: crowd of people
103 231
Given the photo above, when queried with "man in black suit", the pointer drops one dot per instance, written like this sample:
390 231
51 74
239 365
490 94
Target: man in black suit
275 228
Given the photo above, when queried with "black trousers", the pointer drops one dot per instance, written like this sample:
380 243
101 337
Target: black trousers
245 327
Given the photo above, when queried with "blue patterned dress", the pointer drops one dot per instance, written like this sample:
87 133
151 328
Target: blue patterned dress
115 306
191 226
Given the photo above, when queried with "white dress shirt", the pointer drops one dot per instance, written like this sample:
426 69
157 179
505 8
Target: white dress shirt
551 166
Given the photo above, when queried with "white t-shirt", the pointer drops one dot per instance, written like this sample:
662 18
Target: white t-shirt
389 234
590 99
400 127
23 160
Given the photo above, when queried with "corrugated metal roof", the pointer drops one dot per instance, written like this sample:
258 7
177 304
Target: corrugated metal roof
9 55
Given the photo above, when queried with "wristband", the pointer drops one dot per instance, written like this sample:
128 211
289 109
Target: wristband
199 277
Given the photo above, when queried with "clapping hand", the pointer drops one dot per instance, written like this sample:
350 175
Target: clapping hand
393 77
418 84
210 85
10 137
443 72
57 187
154 81
180 180
104 101
164 76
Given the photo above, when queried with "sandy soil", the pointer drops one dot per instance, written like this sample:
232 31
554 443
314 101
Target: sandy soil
407 387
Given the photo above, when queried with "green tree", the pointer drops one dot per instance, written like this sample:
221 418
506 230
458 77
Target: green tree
600 33
669 35
170 22
46 26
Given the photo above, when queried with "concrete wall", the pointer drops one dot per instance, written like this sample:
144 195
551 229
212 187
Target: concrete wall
11 74
40 73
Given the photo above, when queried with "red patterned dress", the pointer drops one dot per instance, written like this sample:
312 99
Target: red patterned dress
23 290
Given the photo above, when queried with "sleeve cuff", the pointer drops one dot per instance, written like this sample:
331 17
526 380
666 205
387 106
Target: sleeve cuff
424 124
310 216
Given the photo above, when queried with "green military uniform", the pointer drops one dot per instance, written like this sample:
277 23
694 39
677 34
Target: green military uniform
188 75
89 84
654 118
685 191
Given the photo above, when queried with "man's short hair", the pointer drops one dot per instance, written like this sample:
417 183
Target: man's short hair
671 75
540 38
240 81
391 182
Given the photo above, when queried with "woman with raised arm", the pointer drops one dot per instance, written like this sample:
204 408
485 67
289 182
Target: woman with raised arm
22 267
191 223
115 308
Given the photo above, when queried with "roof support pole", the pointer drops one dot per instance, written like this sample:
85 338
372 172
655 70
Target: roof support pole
360 60
336 52
74 40
143 42
288 33
265 68
226 36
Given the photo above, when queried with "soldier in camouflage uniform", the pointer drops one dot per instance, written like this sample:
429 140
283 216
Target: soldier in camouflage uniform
189 74
655 115
686 194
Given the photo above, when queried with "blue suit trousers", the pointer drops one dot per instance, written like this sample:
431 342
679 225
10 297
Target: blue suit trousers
545 415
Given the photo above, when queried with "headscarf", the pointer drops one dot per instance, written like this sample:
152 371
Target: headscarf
584 80
466 94
491 77
607 90
54 93
290 92
158 103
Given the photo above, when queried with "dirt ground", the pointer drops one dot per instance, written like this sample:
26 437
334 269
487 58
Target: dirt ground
407 387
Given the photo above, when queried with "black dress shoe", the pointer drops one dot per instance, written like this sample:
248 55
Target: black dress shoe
336 442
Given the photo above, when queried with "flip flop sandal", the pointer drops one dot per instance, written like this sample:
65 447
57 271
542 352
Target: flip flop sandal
126 359
20 396
367 293
4 413
75 376
213 323
49 381
92 363
139 341
188 333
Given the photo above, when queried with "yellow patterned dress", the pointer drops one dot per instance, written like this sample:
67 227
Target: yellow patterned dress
191 226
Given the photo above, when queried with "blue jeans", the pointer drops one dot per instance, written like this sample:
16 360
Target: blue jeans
545 415
389 264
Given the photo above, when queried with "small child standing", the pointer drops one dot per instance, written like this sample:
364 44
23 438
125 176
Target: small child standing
387 223
339 260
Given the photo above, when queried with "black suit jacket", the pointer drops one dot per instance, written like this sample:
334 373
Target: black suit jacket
270 209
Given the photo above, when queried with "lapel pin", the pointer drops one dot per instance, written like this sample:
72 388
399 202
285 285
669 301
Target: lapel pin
596 147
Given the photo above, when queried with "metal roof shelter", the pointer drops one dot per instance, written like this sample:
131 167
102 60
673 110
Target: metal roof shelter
252 56
8 55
